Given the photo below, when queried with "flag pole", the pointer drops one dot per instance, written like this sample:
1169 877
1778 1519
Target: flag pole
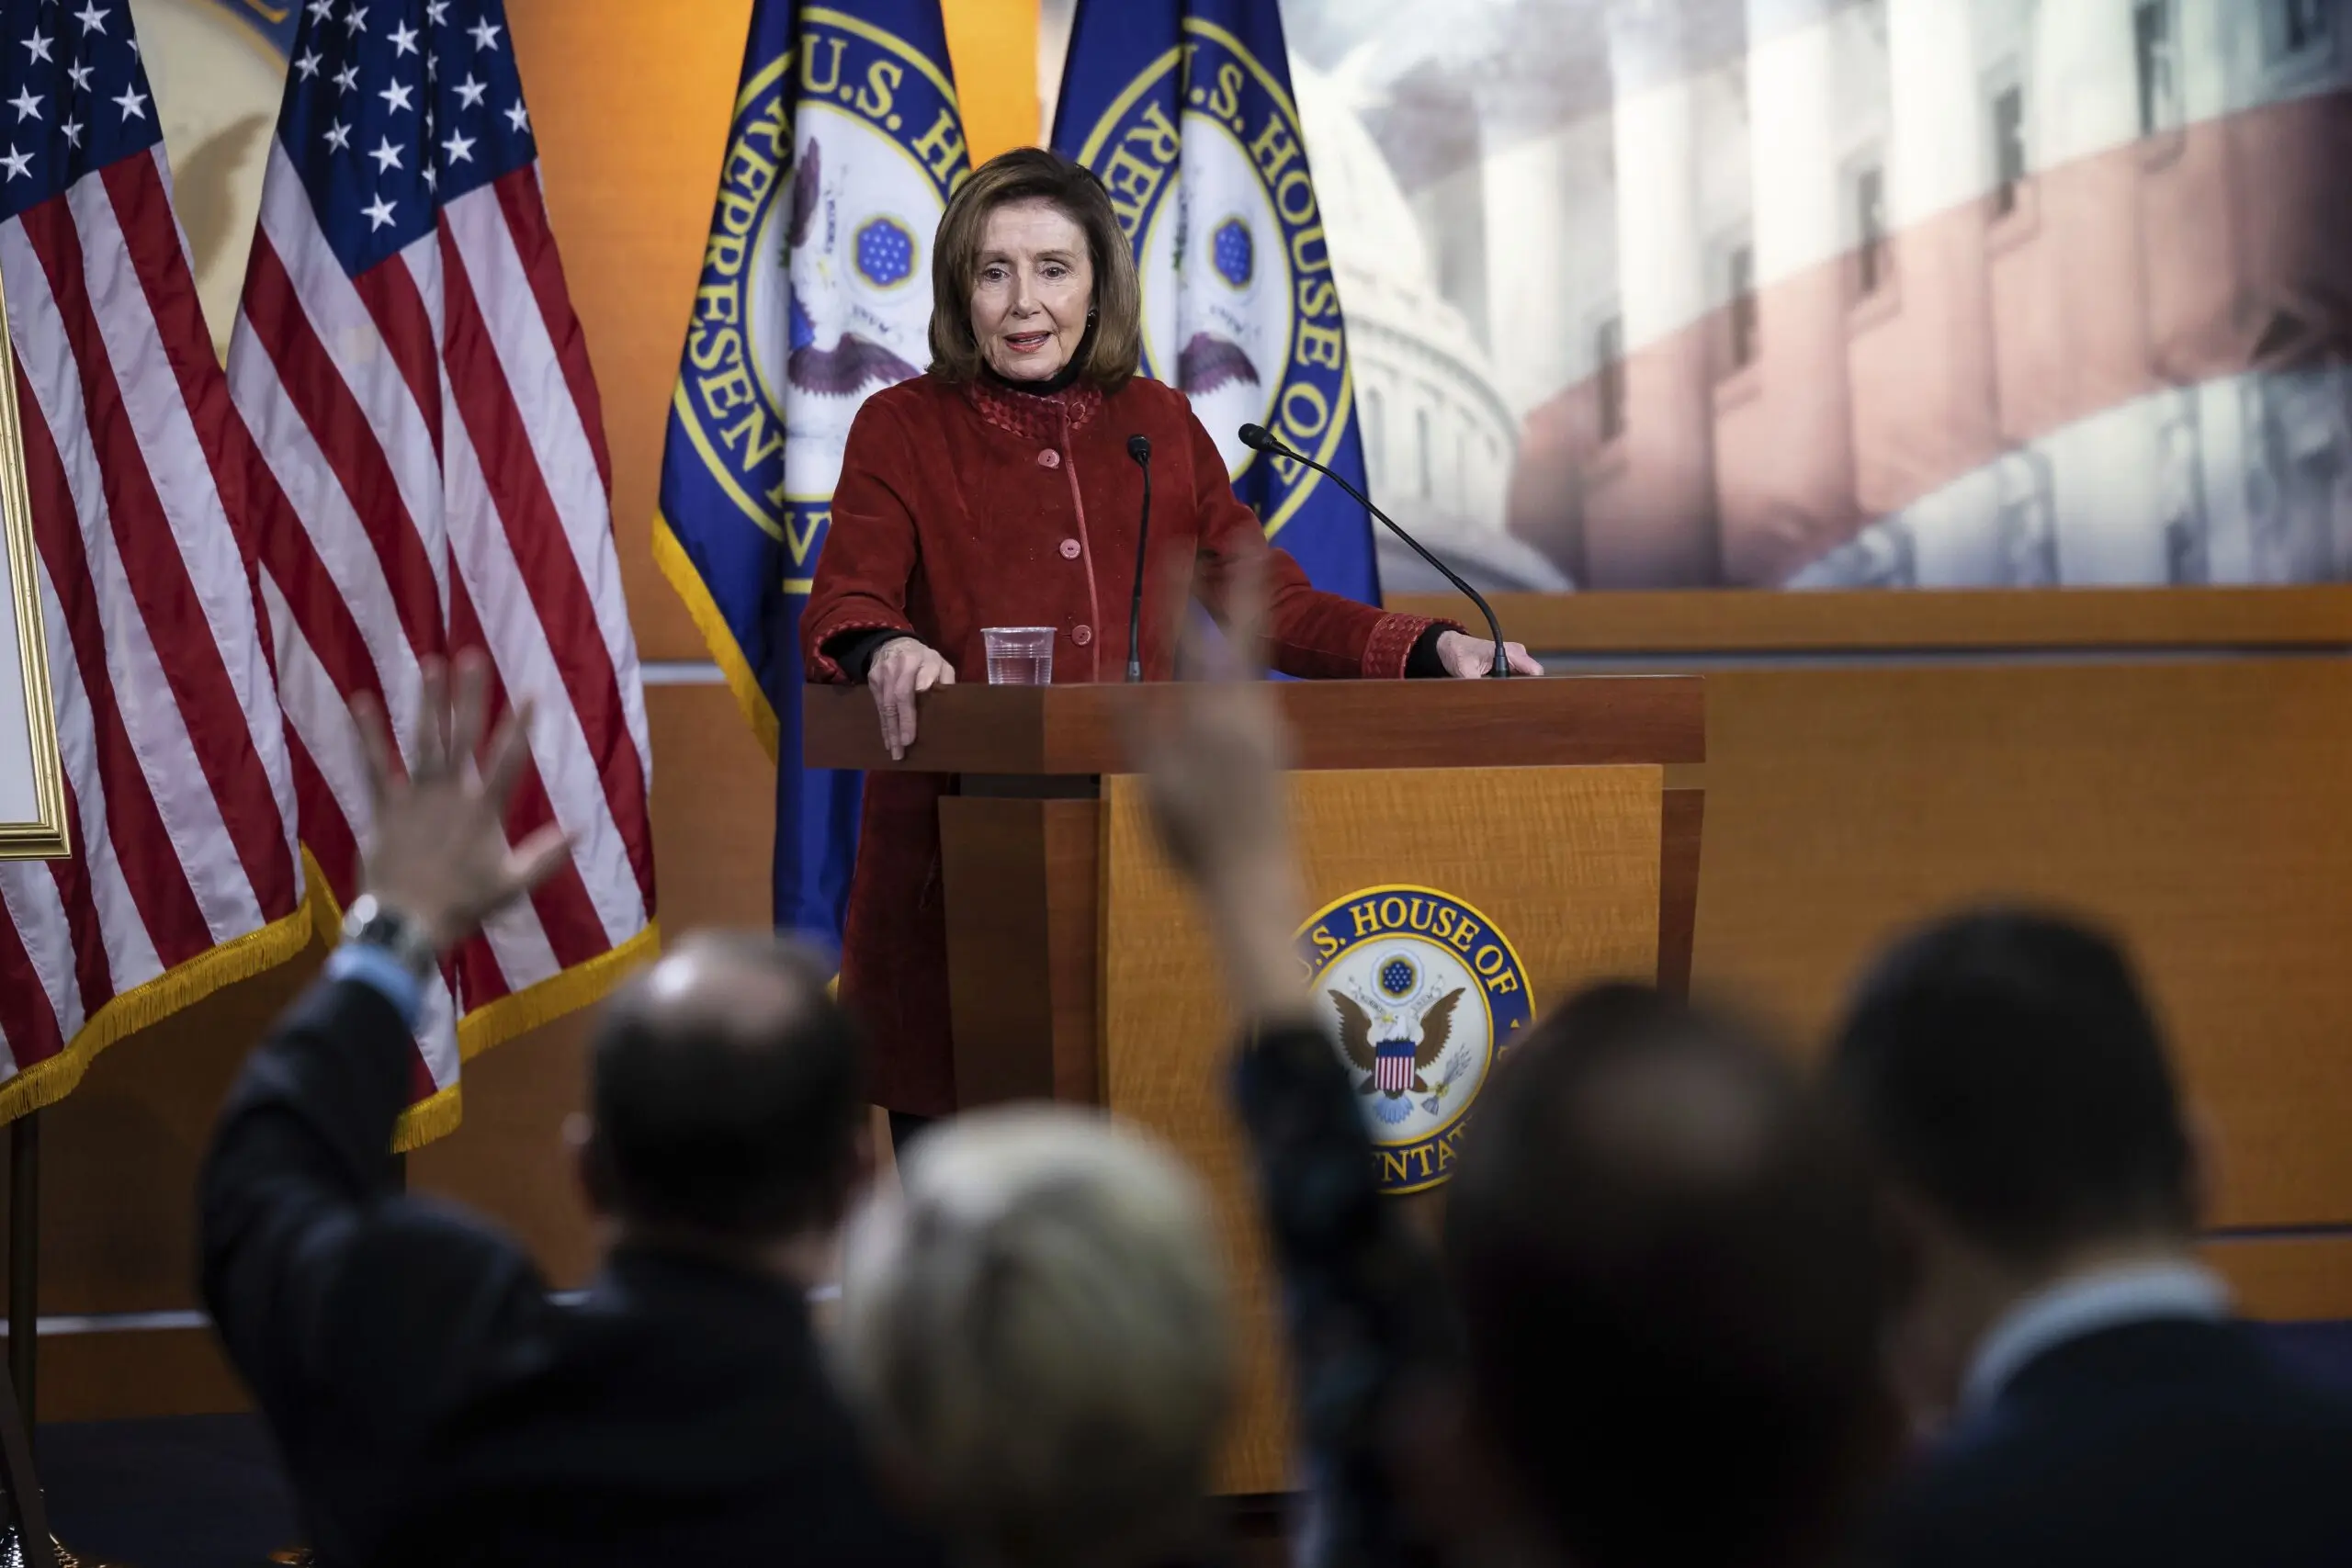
35 1546
24 1263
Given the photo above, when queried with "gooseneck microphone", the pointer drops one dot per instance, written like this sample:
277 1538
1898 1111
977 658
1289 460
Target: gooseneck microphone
1139 448
1258 438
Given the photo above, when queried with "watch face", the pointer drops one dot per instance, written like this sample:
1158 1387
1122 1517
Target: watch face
368 921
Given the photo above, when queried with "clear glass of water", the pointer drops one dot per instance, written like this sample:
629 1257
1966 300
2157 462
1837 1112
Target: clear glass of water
1019 656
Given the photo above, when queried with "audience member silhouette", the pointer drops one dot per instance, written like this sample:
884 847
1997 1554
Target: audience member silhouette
434 1404
2104 1408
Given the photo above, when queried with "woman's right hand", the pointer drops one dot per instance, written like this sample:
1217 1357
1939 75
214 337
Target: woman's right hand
899 669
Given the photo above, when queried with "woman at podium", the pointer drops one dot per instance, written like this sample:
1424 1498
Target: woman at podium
1004 488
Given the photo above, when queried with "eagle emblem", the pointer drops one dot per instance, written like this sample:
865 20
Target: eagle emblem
1395 1046
1210 362
853 361
1422 994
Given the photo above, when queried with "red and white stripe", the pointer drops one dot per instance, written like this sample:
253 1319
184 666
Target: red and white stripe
180 791
436 479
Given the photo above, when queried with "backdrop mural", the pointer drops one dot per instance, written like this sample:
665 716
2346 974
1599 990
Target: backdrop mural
1935 293
1680 293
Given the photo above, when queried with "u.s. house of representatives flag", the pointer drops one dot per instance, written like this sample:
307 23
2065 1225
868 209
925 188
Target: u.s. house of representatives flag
436 479
816 291
179 801
1184 108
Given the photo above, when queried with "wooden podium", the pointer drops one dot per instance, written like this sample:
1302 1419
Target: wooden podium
1565 813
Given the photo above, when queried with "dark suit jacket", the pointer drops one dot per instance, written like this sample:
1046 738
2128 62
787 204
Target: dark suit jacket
2162 1444
434 1406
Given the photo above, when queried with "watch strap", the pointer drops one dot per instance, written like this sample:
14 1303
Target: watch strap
370 923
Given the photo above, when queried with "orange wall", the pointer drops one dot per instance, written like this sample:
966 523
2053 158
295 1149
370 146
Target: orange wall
994 43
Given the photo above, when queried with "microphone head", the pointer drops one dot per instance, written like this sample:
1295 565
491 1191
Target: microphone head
1139 448
1258 438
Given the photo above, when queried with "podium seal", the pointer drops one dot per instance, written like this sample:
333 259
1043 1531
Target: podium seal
1424 994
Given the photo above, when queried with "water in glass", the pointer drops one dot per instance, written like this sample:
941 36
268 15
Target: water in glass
1019 656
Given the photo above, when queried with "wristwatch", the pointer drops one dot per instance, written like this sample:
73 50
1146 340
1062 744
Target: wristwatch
373 923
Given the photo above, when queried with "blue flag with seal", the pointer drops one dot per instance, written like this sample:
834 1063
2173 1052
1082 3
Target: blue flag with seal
816 291
1185 109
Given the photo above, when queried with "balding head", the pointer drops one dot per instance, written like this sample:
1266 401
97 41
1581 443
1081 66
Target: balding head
727 1090
1668 1268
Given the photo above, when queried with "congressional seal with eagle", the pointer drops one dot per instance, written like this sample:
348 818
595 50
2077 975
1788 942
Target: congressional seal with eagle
1423 993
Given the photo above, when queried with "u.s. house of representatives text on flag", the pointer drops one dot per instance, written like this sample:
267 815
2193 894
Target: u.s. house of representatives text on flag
815 292
180 804
436 479
1184 108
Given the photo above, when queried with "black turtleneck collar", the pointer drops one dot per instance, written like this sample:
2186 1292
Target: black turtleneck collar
1067 375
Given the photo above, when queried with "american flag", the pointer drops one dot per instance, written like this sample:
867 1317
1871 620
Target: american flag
180 796
437 479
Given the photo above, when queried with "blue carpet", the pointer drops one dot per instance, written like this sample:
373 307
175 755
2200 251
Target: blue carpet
205 1491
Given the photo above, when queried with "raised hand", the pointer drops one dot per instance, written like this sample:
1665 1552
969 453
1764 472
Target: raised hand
439 853
899 669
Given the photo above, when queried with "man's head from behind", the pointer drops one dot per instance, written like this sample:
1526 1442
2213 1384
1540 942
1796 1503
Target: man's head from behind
1672 1286
2014 1085
728 1097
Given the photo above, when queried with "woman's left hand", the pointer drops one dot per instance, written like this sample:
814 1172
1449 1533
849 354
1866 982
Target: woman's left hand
1466 657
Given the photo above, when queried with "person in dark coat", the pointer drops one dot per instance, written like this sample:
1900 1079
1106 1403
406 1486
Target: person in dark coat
2099 1402
432 1401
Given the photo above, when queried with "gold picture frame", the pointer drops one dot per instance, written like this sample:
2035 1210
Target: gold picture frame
32 776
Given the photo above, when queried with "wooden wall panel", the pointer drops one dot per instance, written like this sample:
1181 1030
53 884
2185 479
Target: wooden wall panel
1721 620
714 810
2198 807
119 1155
2287 1279
122 1377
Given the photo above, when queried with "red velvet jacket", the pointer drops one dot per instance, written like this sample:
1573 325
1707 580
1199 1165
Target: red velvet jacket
972 506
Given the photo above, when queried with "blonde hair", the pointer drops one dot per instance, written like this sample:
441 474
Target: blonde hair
1114 344
1035 1328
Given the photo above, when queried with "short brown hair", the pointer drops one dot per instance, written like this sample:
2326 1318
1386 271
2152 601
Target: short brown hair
1114 344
